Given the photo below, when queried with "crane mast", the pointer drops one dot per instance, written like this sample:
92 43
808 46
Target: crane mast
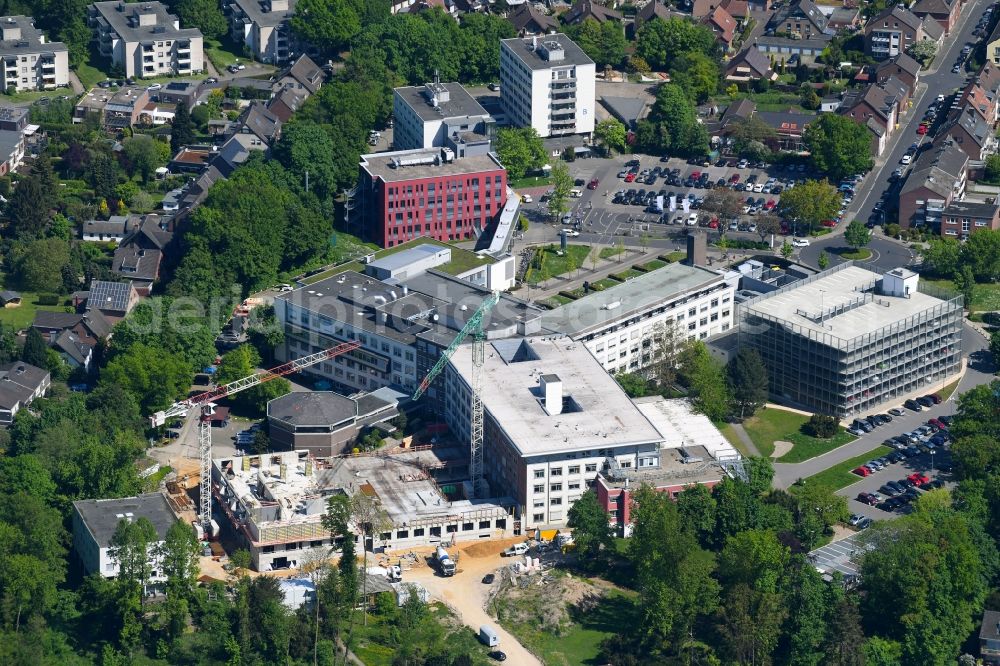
473 327
205 403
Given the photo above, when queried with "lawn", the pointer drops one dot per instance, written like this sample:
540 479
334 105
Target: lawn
770 425
627 274
580 643
806 447
90 72
651 265
21 317
858 254
840 476
529 181
673 256
34 95
730 434
613 253
223 53
985 297
605 283
547 262
946 392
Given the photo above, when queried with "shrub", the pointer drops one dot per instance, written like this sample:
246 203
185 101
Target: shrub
822 426
48 299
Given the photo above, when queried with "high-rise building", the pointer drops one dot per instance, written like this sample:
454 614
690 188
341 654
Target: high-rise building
144 39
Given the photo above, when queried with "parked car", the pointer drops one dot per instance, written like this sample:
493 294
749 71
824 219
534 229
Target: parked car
867 498
919 478
800 242
914 405
862 471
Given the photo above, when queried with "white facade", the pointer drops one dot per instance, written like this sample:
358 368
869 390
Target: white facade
144 40
547 83
29 61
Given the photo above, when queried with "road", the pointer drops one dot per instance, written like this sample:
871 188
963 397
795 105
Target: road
979 370
886 253
938 80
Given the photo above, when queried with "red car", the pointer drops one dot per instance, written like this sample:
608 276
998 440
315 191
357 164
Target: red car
592 185
630 177
770 204
714 224
922 129
918 479
695 175
938 424
829 224
861 471
867 498
735 178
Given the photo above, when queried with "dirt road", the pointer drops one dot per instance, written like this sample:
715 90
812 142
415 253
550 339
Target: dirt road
467 595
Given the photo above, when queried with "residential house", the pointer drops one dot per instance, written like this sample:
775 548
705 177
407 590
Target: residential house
789 127
899 91
20 384
738 9
30 62
112 299
989 638
750 65
802 20
872 103
736 113
945 12
723 25
259 122
179 92
649 11
528 21
11 151
993 46
74 351
262 27
302 75
286 104
112 230
144 39
588 9
900 66
938 178
95 522
139 265
973 135
792 51
844 18
981 102
895 30
191 159
961 218
85 328
125 108
10 299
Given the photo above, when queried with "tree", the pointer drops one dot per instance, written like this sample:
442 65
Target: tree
942 256
811 203
520 150
603 42
708 384
330 25
747 381
179 554
562 184
155 378
981 252
243 362
839 146
697 74
696 506
611 133
26 209
143 154
994 345
750 135
817 509
202 14
822 426
667 345
39 264
786 250
857 235
768 224
672 124
725 203
103 175
35 349
749 622
966 283
182 129
592 534
659 41
634 384
923 51
823 261
993 169
130 551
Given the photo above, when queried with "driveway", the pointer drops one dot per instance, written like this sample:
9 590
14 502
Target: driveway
979 371
467 595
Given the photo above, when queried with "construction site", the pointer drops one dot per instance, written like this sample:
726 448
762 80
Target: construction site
276 503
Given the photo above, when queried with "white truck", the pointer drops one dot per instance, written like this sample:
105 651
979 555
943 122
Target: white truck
516 550
445 564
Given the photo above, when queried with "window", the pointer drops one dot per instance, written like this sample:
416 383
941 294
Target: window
555 501
538 517
418 531
556 471
591 467
467 527
403 534
539 504
574 486
574 469
540 488
556 487
539 473
484 524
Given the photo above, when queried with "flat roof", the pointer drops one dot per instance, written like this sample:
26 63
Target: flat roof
424 163
462 260
802 302
118 16
533 52
397 260
673 471
101 516
304 408
256 12
599 308
31 39
683 427
459 103
603 415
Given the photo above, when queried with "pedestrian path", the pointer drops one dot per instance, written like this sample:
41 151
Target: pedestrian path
741 432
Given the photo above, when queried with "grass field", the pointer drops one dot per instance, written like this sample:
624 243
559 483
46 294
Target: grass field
21 317
613 253
673 256
605 283
946 392
840 476
628 274
90 73
771 425
529 181
553 265
580 644
730 434
859 254
806 447
222 53
652 265
985 297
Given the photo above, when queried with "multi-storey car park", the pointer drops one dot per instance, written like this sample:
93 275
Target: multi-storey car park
850 339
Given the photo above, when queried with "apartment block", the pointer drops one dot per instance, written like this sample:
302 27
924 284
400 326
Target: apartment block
145 40
262 26
29 61
849 340
938 178
896 29
620 325
440 115
410 194
962 218
547 83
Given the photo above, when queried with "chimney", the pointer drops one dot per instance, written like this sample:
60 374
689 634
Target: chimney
553 393
697 250
534 43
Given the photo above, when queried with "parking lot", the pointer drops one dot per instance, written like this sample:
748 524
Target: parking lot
625 200
920 449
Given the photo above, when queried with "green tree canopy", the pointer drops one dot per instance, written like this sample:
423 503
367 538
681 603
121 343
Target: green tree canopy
592 534
839 145
697 74
811 203
857 235
611 134
659 41
520 150
747 378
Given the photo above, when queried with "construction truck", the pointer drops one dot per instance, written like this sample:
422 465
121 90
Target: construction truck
445 564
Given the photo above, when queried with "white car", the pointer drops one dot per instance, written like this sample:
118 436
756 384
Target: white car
571 232
905 160
692 219
800 242
758 188
526 198
940 98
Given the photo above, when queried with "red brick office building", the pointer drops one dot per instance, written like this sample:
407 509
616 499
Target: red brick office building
431 193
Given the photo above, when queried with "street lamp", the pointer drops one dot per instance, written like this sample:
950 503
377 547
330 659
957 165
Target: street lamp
933 451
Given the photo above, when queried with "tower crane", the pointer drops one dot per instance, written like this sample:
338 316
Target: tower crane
473 327
205 402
